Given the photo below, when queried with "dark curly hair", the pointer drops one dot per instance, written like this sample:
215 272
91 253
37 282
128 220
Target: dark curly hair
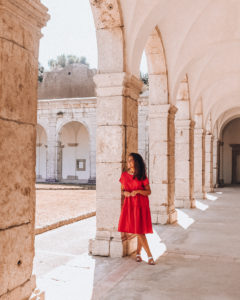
139 166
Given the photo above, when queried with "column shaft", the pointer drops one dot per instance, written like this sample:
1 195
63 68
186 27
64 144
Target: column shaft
208 163
215 162
198 164
52 151
117 136
21 23
160 126
184 182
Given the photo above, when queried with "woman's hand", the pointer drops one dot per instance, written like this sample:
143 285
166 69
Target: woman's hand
145 192
134 193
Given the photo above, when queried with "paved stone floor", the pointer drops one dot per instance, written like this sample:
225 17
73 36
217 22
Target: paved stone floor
198 258
57 205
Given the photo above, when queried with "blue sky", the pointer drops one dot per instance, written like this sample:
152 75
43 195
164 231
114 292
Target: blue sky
70 30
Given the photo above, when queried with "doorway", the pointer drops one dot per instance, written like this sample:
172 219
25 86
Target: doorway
235 163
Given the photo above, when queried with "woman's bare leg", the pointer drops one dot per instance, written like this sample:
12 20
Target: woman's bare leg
139 248
145 245
139 245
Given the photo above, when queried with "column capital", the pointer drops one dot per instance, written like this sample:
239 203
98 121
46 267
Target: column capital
158 110
198 131
32 13
192 124
118 84
183 124
208 137
173 109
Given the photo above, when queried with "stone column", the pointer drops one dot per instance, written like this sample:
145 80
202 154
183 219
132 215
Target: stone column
117 136
208 163
198 164
20 25
220 163
59 160
161 161
52 150
93 154
184 182
215 162
143 143
203 164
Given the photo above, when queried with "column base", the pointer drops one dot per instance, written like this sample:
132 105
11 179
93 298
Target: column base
185 203
113 245
163 216
200 196
209 189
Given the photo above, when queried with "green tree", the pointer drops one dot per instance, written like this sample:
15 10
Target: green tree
83 60
64 60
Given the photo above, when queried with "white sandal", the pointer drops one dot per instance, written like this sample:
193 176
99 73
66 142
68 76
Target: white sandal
138 258
151 261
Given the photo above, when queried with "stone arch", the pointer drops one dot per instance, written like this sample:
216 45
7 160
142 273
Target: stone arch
66 121
110 35
157 68
230 151
41 153
222 124
73 157
221 111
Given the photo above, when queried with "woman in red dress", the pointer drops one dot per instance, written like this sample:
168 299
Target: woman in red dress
135 215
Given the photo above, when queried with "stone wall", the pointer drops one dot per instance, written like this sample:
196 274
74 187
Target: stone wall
73 81
55 114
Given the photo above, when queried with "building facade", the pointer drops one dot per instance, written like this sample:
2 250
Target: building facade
192 49
66 127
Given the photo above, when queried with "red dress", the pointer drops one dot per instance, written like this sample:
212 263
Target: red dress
135 215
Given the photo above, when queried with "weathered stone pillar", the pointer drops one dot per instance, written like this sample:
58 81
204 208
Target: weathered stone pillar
92 178
220 163
215 162
184 149
161 156
198 164
208 163
203 164
143 129
20 25
92 155
117 136
52 150
184 181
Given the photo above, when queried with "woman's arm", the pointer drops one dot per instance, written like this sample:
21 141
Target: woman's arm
145 192
124 193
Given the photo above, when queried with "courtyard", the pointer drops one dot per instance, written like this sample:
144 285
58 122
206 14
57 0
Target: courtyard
58 205
197 258
159 78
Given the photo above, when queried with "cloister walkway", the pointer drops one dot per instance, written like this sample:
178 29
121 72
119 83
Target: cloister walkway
198 258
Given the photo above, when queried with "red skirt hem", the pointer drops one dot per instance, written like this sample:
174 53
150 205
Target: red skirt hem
146 232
